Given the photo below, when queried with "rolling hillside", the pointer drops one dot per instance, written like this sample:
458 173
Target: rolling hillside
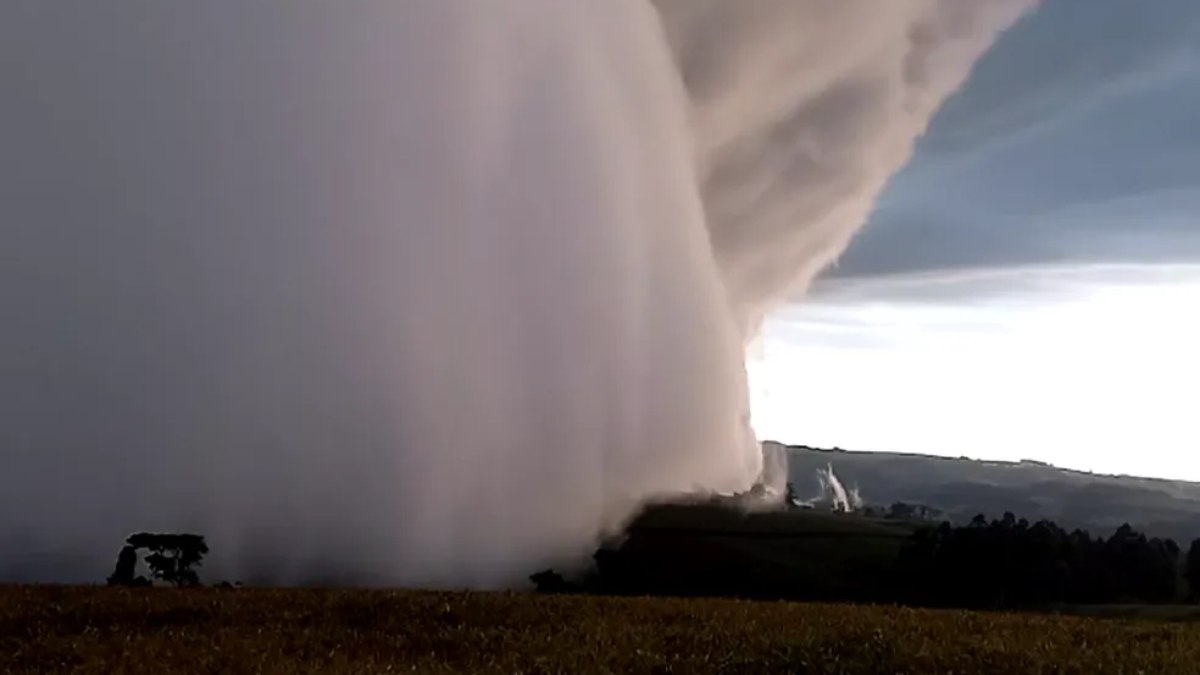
962 488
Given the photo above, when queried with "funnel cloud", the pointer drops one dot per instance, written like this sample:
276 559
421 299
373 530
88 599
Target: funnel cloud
430 292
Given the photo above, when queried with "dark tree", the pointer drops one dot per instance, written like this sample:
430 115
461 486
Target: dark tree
172 557
1005 563
126 566
1010 563
549 581
1191 570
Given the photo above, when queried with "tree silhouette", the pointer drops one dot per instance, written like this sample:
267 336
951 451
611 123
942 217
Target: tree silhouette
171 558
126 566
1010 563
1192 570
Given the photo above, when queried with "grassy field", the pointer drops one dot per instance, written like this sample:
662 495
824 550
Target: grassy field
98 630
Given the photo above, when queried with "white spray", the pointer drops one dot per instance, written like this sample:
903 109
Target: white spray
426 292
834 493
856 501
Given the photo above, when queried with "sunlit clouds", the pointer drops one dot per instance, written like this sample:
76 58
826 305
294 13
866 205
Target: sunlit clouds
1089 367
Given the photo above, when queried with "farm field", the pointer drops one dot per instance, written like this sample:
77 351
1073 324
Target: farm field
51 629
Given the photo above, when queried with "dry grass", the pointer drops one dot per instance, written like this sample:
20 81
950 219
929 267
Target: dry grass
97 630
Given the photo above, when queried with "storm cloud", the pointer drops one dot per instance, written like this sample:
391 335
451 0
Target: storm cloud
1074 141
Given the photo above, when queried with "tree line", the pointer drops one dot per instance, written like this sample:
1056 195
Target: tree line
1005 563
1010 563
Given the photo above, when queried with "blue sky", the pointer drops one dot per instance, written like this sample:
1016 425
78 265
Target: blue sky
1029 285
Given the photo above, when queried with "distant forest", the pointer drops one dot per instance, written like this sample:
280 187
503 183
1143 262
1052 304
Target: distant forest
1004 563
1010 563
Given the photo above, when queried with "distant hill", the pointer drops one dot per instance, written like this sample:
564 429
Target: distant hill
962 488
841 540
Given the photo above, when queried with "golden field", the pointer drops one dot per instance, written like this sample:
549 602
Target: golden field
47 629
